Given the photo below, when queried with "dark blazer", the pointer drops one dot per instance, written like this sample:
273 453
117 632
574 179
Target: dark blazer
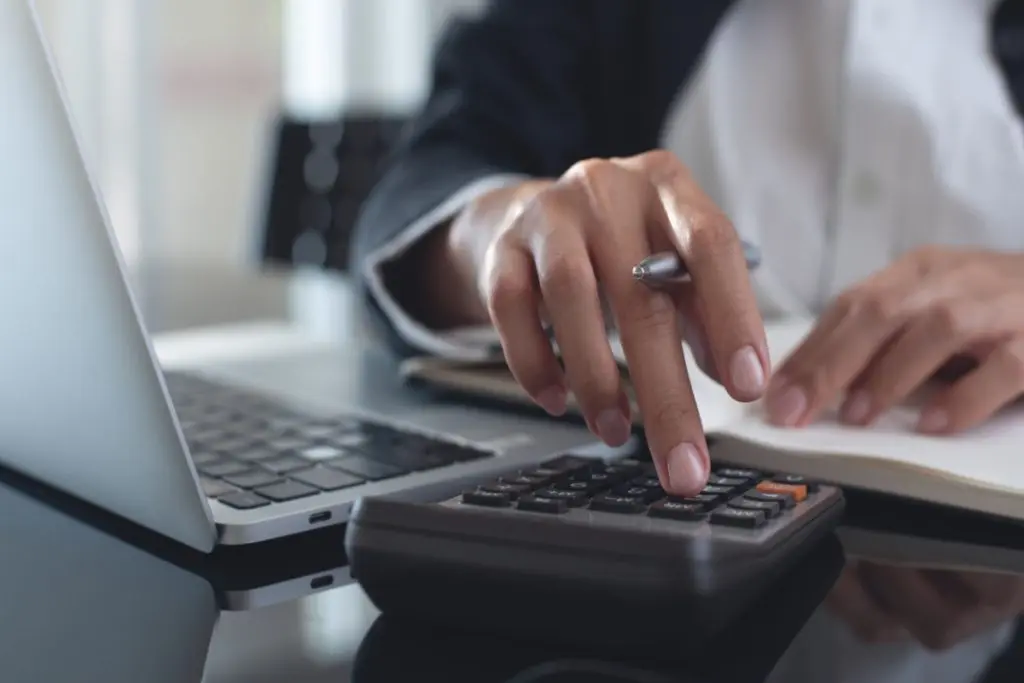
532 86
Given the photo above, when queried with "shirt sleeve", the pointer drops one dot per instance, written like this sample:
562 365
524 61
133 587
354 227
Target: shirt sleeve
467 344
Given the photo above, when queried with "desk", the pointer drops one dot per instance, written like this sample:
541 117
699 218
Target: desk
79 604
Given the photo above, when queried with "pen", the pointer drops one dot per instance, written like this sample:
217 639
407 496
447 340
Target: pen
668 267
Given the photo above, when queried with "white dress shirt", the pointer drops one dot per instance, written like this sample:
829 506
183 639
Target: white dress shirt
838 135
856 129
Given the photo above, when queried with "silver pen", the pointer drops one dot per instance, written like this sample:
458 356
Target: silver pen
668 267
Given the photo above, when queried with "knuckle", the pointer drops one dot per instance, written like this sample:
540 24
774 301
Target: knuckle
664 164
593 171
871 307
947 320
508 290
712 231
544 209
566 276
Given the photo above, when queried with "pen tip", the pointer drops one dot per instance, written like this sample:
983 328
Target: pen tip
639 272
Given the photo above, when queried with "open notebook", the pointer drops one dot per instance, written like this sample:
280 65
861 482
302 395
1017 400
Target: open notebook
981 470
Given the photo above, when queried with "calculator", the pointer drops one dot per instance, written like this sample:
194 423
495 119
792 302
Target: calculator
579 548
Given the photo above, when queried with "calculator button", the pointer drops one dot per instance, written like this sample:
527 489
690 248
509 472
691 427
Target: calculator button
795 480
543 473
571 498
584 487
649 482
486 499
797 491
513 491
717 490
671 509
770 510
732 472
524 480
704 499
783 499
732 482
623 469
534 504
645 494
567 463
598 475
748 519
620 504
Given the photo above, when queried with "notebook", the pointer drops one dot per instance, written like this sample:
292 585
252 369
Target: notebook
981 470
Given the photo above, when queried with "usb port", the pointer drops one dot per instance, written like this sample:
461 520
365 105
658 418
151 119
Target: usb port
320 517
321 582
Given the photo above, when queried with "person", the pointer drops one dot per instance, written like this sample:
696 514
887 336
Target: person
871 149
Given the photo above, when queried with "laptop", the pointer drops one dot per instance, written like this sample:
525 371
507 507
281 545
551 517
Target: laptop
86 409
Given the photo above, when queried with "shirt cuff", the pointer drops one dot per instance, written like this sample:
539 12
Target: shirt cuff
471 344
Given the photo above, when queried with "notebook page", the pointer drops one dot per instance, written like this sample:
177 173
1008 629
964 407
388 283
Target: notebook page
991 455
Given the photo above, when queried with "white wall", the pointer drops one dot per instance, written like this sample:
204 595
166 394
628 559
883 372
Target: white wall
174 97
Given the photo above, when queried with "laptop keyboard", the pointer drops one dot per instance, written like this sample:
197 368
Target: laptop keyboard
251 451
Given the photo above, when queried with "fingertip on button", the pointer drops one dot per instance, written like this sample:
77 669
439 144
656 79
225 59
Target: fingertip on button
688 469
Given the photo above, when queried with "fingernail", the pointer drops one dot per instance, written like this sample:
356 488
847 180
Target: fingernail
933 421
746 371
787 407
857 408
687 469
552 400
613 427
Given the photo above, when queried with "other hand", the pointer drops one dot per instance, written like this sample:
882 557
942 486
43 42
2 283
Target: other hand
562 252
938 609
887 337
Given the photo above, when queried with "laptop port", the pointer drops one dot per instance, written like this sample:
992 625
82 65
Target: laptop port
320 517
321 582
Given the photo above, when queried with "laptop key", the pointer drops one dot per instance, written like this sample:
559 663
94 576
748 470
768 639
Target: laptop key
255 453
326 479
222 468
214 488
361 466
204 457
320 453
244 500
252 479
283 464
286 490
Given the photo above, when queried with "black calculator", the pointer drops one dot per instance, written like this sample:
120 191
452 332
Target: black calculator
581 548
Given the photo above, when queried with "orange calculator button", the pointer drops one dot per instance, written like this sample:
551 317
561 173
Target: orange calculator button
798 491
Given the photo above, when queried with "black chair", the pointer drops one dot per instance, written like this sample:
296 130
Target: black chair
320 172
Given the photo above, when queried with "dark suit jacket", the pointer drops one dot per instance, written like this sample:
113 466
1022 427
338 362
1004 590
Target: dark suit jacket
532 86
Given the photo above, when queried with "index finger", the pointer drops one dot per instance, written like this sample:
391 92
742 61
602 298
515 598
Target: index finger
716 260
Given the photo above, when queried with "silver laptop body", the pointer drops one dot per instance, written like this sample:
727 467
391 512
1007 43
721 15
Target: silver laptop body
84 405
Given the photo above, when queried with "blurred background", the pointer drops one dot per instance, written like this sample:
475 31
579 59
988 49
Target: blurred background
235 133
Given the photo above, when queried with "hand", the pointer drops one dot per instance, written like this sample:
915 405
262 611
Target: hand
939 609
563 252
886 338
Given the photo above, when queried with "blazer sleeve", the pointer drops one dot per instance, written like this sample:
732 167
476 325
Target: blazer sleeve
524 89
